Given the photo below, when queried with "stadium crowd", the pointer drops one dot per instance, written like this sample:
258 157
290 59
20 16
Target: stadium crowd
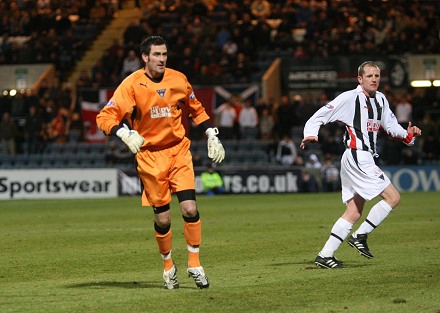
215 43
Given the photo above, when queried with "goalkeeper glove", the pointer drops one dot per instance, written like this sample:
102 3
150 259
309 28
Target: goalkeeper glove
131 138
216 152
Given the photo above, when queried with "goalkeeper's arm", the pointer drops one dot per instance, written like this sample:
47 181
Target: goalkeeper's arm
130 137
216 152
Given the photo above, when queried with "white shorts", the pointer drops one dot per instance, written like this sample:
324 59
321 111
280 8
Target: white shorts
360 175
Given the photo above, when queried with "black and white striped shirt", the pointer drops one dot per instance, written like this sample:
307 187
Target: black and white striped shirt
362 116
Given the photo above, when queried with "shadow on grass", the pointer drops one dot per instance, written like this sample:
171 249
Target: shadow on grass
119 284
311 265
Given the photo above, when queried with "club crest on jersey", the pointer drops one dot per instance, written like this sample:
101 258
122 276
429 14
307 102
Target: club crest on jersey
161 92
158 112
329 106
373 126
111 103
192 96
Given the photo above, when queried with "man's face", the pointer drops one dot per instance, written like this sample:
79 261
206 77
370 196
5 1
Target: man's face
370 80
156 61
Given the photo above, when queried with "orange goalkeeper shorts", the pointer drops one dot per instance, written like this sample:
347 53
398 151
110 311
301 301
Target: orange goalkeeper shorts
165 171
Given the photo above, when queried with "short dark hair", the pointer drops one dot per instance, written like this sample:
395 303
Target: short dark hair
366 63
145 46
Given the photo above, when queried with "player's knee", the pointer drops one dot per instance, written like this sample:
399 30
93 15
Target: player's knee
352 216
189 208
162 229
193 218
163 221
395 200
162 216
392 197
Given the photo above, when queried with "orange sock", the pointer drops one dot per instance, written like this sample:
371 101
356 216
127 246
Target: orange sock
164 241
167 263
193 237
193 258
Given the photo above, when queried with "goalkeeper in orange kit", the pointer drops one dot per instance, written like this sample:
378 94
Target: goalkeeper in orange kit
150 102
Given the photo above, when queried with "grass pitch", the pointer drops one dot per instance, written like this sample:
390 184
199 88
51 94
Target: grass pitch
100 255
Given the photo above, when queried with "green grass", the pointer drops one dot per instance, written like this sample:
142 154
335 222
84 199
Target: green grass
100 255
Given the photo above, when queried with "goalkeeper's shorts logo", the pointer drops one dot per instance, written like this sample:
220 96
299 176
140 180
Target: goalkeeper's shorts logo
111 103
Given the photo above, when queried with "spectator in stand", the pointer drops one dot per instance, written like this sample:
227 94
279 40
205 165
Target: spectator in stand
303 14
262 35
197 159
242 69
222 36
299 52
237 102
118 153
203 77
286 151
133 34
266 125
410 157
32 130
309 105
313 162
84 80
18 108
8 133
56 126
403 109
419 102
230 49
212 181
429 125
114 48
97 12
130 64
74 128
99 70
248 120
297 102
261 9
307 182
226 115
5 49
99 80
186 61
330 176
261 105
332 144
430 148
286 117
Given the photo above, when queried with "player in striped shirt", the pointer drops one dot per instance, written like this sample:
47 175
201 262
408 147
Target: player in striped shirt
364 111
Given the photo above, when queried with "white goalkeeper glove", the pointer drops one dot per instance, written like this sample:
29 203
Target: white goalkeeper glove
216 152
131 138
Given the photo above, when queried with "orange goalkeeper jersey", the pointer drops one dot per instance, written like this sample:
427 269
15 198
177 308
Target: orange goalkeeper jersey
154 109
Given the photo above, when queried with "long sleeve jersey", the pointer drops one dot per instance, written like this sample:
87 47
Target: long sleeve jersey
362 116
153 108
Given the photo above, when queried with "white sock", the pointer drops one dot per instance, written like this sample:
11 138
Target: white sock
166 256
376 216
193 249
339 232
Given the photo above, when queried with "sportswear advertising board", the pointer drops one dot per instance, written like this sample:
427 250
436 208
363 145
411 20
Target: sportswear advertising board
58 183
